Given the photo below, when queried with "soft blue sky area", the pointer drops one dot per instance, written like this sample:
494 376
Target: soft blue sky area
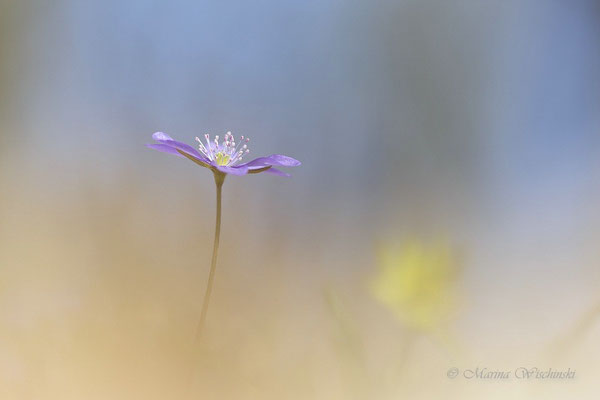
460 110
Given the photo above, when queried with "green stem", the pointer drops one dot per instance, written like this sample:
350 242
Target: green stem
219 179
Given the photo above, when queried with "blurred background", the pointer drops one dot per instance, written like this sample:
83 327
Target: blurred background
445 214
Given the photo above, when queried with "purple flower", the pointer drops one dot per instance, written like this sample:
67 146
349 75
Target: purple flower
224 157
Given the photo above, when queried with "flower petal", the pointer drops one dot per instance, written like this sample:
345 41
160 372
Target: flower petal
274 159
164 148
236 170
275 171
185 148
161 136
207 164
165 139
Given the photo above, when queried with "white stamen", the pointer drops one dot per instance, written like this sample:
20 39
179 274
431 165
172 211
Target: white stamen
229 150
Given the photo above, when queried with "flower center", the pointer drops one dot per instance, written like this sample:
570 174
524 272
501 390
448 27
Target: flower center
222 158
225 153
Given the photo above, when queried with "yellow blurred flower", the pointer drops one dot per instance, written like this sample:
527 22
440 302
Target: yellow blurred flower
416 281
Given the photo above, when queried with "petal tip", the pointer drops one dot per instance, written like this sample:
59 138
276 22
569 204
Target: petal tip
287 161
161 136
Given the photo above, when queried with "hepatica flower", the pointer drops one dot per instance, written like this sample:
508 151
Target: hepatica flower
222 158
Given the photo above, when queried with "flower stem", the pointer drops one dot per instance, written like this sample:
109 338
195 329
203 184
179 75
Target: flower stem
219 179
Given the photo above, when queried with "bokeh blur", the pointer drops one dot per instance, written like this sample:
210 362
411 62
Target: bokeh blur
470 123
